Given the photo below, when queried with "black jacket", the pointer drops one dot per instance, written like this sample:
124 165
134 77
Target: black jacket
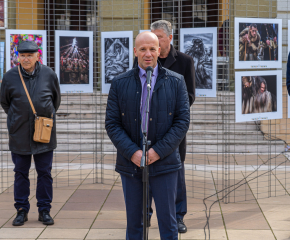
168 120
43 88
183 64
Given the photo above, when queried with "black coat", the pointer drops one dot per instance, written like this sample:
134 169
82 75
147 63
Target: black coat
168 120
43 88
183 64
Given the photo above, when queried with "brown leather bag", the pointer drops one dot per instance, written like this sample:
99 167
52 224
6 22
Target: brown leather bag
42 125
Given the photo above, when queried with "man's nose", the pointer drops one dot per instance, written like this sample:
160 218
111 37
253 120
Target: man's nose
148 53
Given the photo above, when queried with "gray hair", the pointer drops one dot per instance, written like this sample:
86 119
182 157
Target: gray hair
162 24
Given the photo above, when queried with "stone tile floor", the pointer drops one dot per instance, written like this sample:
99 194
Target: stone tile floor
86 210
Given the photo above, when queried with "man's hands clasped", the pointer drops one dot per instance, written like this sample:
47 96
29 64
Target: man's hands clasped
152 157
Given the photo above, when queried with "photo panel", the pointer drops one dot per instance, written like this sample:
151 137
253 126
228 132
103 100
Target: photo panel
1 60
258 95
201 45
74 61
3 14
14 37
287 60
150 31
258 43
117 56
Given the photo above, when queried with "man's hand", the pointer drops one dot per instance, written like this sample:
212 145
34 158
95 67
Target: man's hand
152 156
246 38
136 157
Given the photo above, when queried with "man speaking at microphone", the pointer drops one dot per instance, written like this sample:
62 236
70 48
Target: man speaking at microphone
183 64
167 125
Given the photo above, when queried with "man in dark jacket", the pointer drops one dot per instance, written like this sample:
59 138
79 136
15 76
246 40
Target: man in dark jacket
288 74
168 123
183 64
43 87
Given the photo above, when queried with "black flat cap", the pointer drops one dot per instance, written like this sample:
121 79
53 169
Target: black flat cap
27 47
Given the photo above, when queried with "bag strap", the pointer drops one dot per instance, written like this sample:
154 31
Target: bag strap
29 99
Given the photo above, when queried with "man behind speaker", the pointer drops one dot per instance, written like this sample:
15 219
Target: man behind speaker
183 64
168 123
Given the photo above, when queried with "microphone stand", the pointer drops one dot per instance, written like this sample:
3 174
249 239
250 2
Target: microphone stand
143 165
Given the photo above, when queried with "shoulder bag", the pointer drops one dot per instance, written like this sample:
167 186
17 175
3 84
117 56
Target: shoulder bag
42 125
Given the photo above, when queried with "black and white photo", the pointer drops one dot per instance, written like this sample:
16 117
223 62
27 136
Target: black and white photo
74 61
258 43
117 49
258 95
201 45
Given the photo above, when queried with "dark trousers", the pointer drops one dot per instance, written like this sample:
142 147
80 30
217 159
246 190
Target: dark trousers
181 199
43 165
164 191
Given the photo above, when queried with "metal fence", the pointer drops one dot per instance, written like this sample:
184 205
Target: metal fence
225 160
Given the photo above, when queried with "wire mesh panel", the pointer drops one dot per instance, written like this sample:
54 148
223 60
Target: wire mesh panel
225 160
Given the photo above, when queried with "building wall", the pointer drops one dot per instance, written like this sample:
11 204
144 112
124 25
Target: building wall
29 14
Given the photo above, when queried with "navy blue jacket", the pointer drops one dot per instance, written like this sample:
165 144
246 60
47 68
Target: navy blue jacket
169 119
288 74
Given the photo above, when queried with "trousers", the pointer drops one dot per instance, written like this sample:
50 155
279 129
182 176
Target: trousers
43 165
181 198
164 190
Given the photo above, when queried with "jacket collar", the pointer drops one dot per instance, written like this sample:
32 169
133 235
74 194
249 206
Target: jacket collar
171 57
161 78
35 72
161 71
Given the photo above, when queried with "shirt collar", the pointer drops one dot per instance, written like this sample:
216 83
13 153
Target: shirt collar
30 74
142 72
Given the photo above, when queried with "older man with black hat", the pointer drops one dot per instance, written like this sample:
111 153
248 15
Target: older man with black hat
43 88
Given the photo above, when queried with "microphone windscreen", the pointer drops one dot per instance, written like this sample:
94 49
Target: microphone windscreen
149 69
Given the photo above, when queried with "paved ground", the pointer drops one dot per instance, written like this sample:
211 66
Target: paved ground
84 210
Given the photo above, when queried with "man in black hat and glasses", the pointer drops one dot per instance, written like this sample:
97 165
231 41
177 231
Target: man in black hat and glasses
43 88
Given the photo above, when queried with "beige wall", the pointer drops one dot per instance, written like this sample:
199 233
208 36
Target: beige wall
30 14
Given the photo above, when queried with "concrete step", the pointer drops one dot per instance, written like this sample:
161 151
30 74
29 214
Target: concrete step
201 135
193 135
97 106
88 114
195 124
225 96
193 146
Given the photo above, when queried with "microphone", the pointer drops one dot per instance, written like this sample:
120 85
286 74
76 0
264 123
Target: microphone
149 71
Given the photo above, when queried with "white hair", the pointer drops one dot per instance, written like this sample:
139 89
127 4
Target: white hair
162 24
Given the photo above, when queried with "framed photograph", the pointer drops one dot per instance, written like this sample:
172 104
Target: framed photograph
201 45
14 37
1 61
258 95
74 61
258 43
117 56
286 66
3 14
150 30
